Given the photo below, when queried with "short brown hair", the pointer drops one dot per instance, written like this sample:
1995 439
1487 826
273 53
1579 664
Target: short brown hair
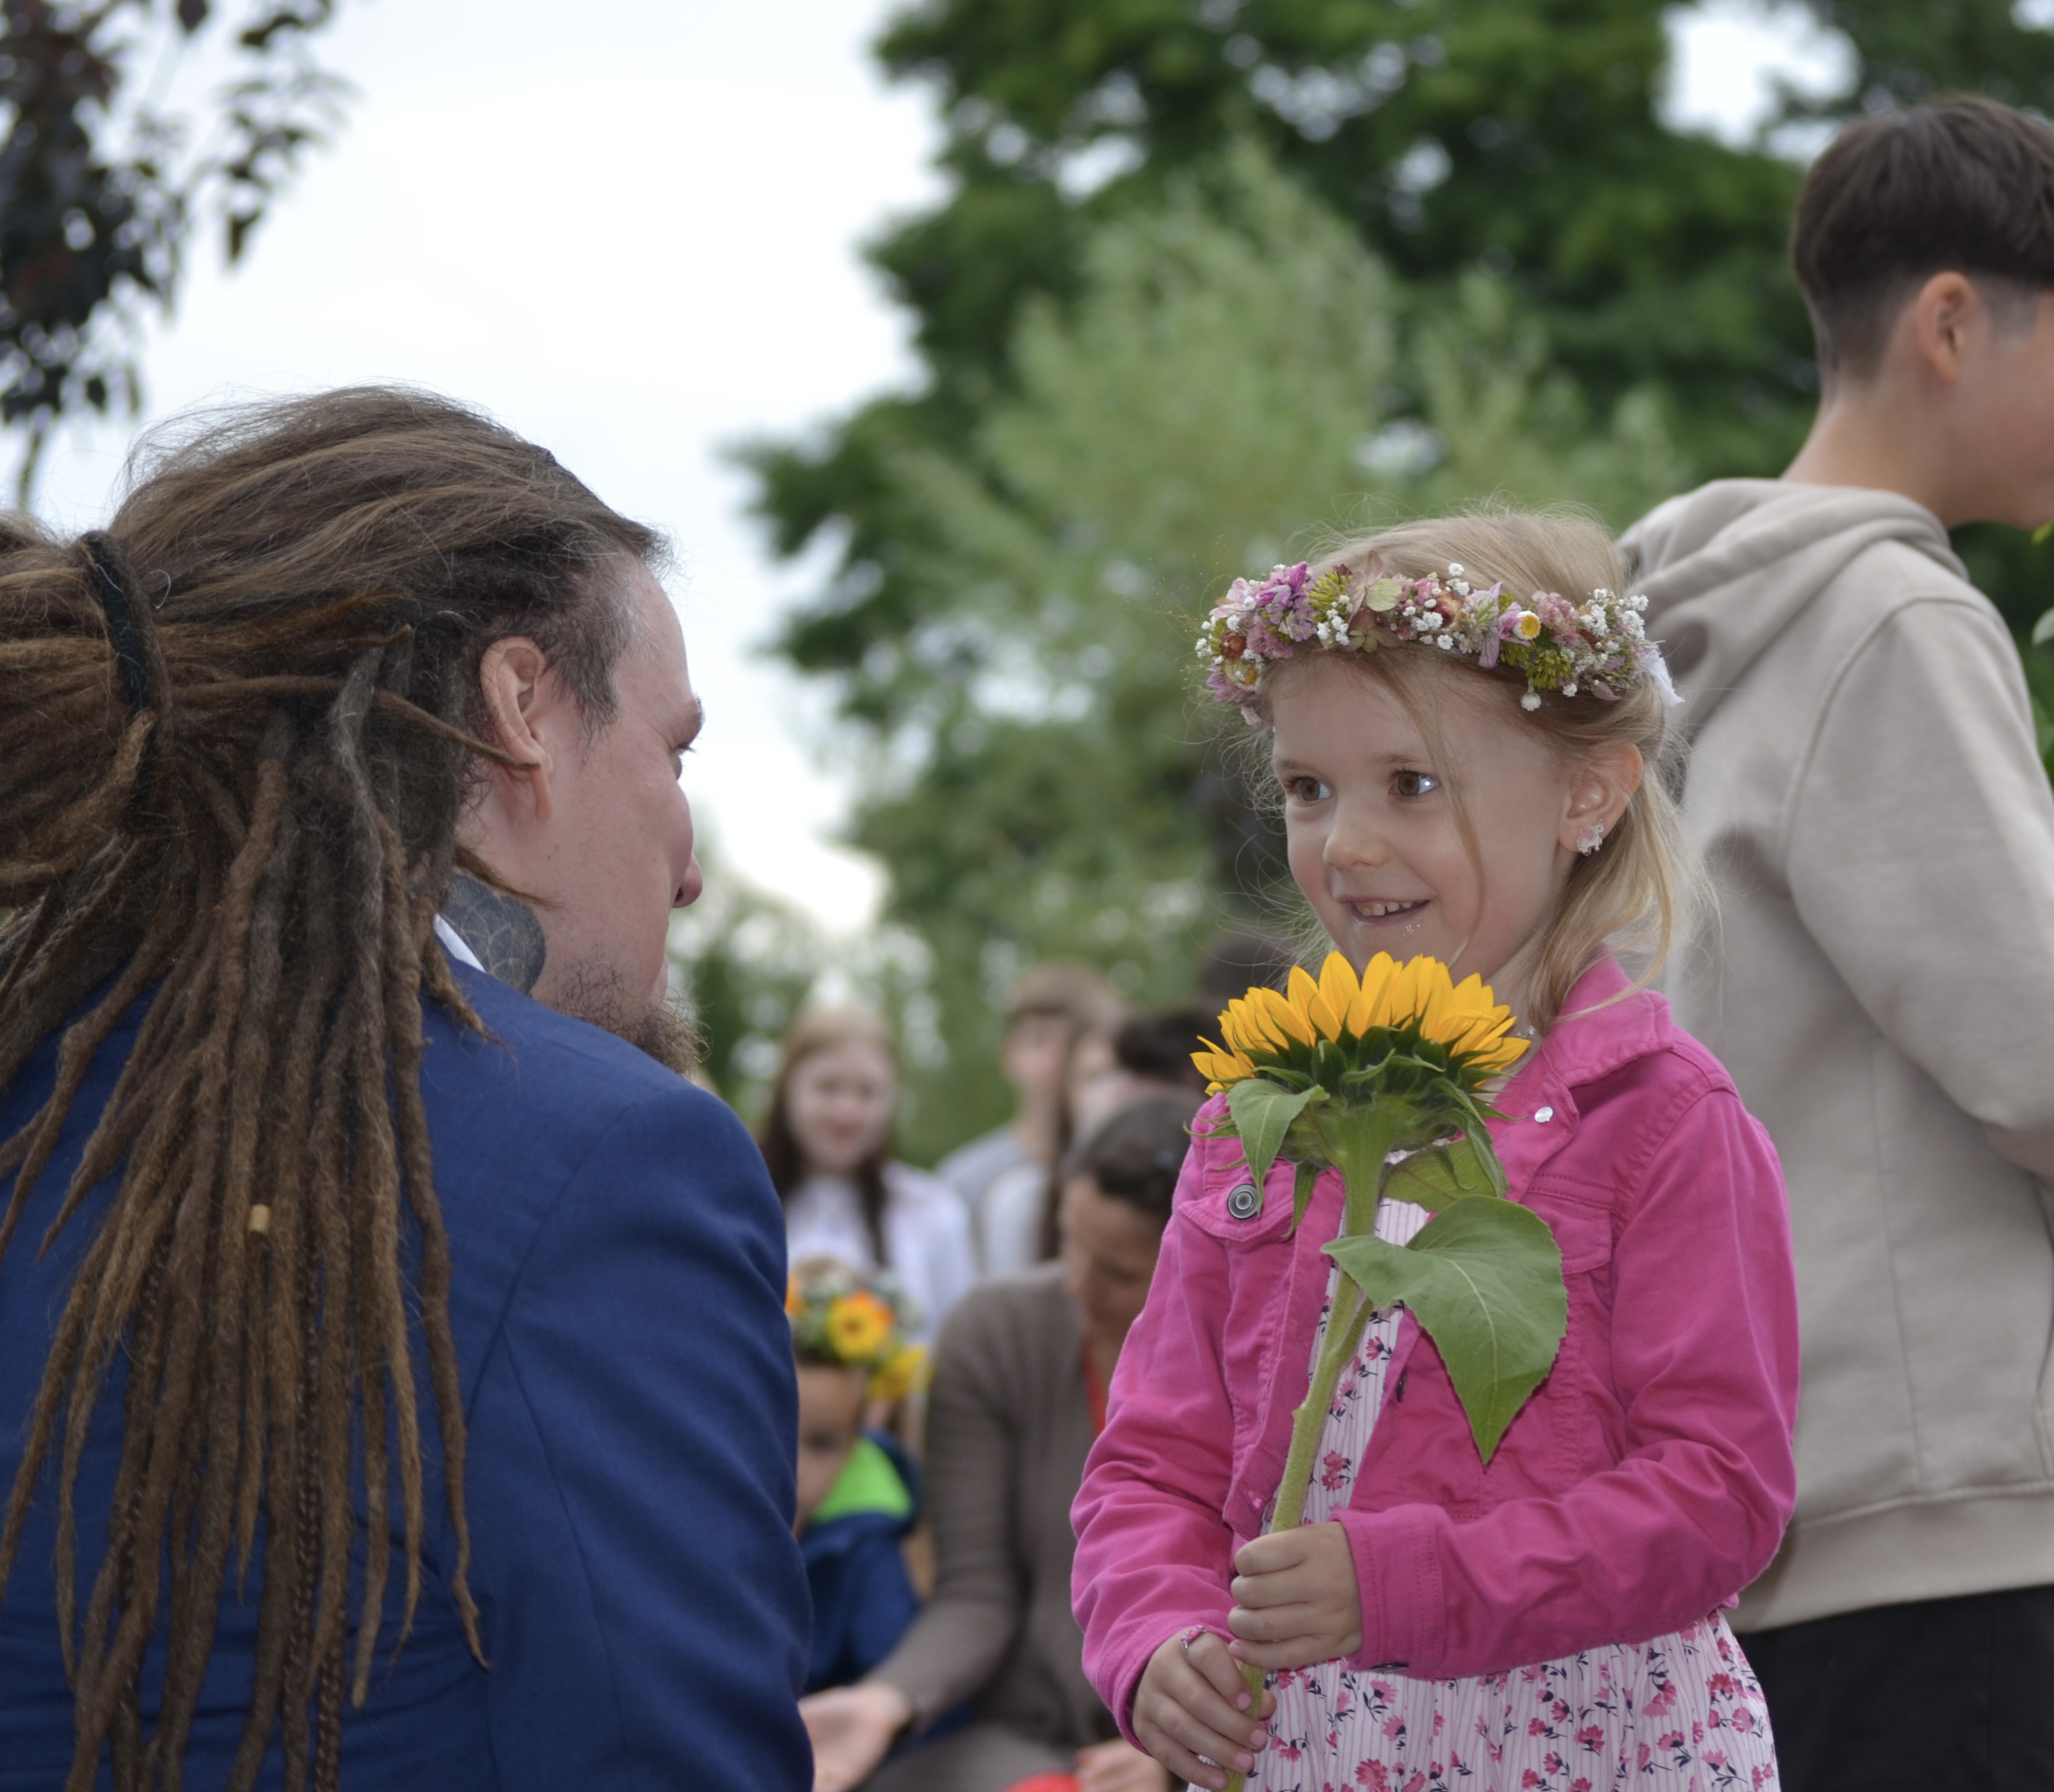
1959 184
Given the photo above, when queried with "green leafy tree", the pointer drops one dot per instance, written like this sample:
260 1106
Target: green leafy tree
101 187
1550 294
1223 385
1521 136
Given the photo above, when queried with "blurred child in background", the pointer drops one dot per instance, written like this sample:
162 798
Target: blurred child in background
1020 1389
1052 1005
1110 1066
826 1140
859 1493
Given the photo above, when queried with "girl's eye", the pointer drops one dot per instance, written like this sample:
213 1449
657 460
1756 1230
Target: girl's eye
1305 790
1411 785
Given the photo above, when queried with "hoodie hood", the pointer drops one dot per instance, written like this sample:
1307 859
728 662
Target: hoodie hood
1727 568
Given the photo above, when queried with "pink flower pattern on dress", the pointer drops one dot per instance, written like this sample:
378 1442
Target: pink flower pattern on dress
1682 1713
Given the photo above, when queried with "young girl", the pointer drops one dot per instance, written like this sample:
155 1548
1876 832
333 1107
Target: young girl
826 1140
1470 736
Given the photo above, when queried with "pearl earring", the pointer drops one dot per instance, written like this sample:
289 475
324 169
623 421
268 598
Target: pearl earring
1590 839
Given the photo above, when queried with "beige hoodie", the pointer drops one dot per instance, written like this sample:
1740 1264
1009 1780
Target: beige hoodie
1864 785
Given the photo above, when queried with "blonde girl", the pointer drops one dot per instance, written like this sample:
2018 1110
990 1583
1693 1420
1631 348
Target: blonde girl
1469 738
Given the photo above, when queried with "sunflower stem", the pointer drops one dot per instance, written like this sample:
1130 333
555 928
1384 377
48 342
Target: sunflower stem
1362 1144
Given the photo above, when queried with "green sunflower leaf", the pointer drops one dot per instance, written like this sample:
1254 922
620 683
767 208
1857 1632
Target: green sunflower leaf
1485 1278
1445 1173
1262 1112
1301 1194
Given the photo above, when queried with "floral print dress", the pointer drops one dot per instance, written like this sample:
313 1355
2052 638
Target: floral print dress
1682 1713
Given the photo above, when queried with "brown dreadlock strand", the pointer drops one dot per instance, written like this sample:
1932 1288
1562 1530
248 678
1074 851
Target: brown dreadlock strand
238 731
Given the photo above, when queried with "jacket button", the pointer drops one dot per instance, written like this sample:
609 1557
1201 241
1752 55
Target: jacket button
1244 1201
1543 1115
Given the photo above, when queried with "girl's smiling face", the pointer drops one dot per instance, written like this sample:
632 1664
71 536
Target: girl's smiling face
1372 829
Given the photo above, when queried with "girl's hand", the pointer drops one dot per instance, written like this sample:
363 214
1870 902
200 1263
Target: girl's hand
1191 1704
851 1727
1118 1766
1295 1600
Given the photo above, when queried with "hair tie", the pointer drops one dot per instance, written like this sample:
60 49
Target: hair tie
118 610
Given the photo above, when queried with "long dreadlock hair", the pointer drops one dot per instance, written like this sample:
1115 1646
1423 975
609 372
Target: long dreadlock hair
238 732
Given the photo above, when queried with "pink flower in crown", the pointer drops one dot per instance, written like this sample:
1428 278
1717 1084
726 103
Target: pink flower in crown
1264 642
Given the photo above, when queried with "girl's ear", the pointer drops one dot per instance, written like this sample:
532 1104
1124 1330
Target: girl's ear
1599 788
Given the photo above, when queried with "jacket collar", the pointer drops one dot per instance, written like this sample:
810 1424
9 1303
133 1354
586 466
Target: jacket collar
1603 1027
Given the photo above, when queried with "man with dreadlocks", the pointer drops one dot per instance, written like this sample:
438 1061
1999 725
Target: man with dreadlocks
393 1371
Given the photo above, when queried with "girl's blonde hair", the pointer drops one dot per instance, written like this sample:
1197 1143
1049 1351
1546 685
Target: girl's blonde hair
1643 886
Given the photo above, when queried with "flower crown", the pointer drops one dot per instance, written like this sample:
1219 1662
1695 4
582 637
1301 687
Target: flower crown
1599 648
853 1321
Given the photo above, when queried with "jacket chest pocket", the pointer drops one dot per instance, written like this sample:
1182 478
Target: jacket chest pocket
1253 1228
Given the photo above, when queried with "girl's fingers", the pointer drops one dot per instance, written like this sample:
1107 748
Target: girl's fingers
1186 1745
1208 1654
1273 1624
1292 1651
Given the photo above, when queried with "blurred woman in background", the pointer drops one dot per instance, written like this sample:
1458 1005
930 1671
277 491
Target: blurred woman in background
827 1140
1019 1394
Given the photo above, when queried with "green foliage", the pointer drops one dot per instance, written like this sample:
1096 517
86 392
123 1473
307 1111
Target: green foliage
1227 376
1484 1276
1209 278
101 188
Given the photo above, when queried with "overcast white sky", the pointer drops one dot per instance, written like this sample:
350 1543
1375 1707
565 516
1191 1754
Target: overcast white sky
633 238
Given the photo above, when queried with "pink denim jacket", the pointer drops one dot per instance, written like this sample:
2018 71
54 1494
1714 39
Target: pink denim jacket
1647 1482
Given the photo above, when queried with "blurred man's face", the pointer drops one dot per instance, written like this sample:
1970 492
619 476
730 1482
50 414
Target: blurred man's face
595 828
620 857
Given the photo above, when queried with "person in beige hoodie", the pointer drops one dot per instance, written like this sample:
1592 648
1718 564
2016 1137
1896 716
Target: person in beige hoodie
1865 786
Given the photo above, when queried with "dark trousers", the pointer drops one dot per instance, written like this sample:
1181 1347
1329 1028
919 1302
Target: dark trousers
1945 1696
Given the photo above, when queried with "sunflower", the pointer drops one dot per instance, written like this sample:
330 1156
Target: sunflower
1343 1029
900 1373
858 1325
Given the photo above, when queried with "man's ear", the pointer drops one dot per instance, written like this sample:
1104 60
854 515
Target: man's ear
1599 789
1940 320
517 695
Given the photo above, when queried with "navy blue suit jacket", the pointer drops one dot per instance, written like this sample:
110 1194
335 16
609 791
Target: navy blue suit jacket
618 1306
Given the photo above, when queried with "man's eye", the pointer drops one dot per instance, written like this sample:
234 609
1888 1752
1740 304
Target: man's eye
1305 790
1412 784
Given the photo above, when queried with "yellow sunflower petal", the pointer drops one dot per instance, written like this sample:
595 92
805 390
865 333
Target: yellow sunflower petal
1278 1016
1338 987
1408 990
1370 1007
1318 1013
1242 1029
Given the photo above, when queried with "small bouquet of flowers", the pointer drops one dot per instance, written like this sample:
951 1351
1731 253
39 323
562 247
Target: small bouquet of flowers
1384 1078
849 1319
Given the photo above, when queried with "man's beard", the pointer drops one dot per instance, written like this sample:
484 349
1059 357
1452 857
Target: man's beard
593 991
